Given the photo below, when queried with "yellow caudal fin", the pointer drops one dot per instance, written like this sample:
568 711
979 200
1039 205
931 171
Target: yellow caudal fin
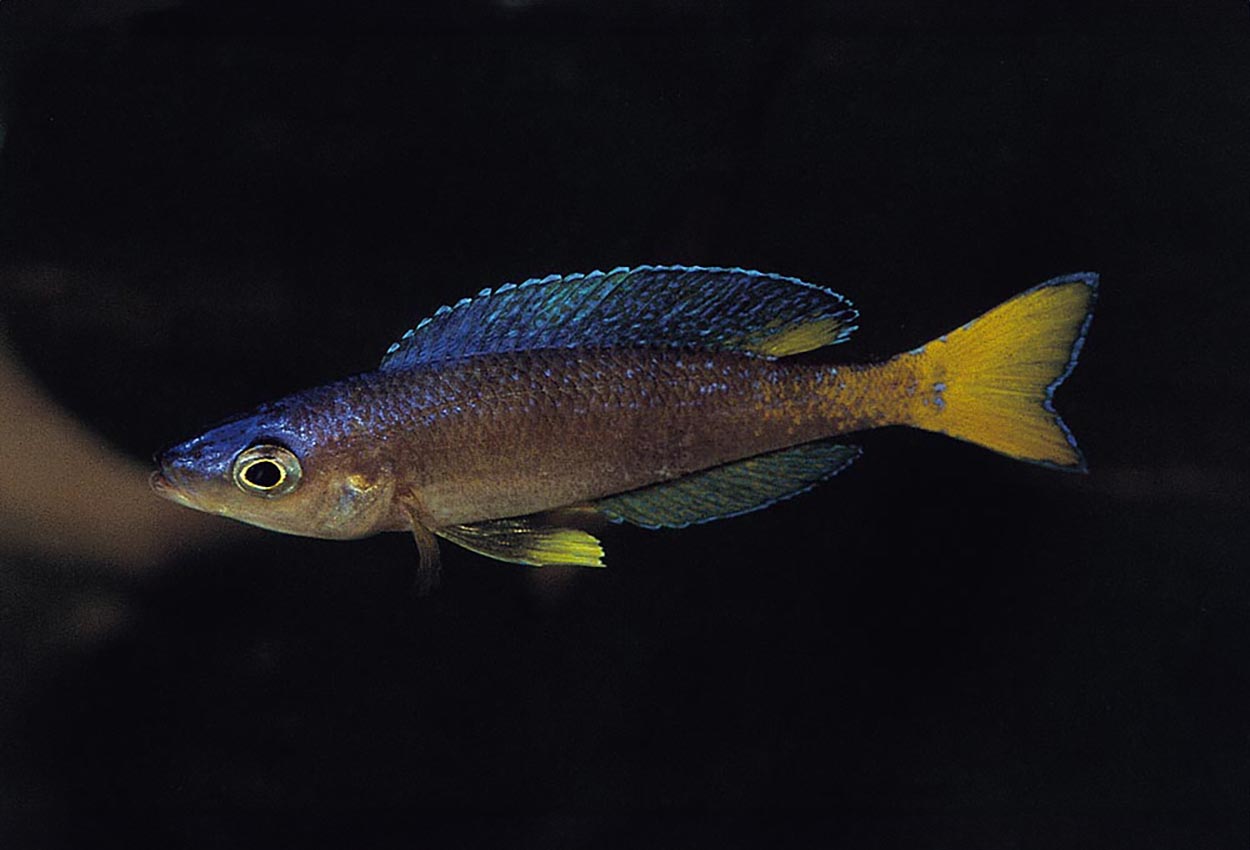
991 381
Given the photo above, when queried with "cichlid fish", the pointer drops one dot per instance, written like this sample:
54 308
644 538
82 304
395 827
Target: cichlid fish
657 396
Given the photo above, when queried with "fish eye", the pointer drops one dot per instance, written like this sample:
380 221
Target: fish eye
266 470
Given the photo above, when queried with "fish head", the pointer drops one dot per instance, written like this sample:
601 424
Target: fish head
271 469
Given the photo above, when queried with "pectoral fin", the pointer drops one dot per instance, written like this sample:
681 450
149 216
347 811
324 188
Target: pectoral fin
428 572
736 488
520 541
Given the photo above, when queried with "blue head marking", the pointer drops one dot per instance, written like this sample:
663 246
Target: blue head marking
212 454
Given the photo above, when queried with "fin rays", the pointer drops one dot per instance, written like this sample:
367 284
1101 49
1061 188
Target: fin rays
672 306
522 541
730 490
999 373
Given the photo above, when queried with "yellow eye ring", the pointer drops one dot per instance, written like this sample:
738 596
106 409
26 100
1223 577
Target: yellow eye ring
266 470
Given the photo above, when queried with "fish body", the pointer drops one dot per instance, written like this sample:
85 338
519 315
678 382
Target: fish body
659 396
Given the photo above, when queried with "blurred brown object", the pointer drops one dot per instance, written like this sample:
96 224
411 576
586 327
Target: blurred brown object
66 494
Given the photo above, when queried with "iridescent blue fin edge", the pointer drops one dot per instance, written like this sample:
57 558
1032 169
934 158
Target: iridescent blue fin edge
727 309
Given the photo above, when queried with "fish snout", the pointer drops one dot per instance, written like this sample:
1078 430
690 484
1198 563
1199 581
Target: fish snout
166 483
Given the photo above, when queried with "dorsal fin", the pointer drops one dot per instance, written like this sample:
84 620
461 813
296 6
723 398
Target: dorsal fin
671 306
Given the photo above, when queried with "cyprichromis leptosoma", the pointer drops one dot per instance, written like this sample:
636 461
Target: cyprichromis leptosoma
659 396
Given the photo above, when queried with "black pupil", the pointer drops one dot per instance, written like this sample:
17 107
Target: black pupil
263 473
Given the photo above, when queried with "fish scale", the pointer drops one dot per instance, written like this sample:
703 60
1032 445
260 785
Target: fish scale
659 396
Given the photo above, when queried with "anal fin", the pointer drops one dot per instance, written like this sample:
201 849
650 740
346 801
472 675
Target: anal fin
522 541
732 489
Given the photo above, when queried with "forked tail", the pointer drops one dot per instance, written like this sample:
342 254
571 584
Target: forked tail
991 381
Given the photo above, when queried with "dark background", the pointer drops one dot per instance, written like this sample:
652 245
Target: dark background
207 205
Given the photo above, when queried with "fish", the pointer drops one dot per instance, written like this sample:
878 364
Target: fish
657 396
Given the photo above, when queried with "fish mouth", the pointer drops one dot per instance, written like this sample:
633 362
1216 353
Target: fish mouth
166 489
